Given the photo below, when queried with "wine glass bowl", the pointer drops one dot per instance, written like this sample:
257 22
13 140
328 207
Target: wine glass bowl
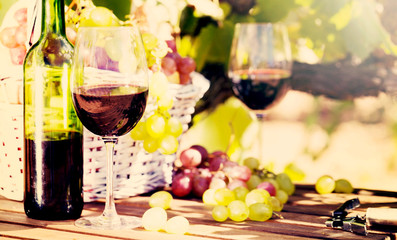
109 85
260 67
260 64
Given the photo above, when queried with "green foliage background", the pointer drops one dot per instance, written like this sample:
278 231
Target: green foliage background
4 6
333 30
120 7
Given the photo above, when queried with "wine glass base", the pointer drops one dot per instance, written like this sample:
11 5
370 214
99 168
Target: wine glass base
101 222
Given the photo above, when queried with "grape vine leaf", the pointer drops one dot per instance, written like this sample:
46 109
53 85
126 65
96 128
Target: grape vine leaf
212 44
121 8
215 129
272 10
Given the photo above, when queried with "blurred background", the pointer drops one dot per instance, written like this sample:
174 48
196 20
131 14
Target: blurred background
340 118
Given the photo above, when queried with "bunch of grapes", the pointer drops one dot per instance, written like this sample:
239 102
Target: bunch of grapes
15 37
176 67
238 192
197 171
241 204
159 130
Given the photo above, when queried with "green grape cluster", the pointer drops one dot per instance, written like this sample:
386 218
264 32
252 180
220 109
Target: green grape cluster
88 15
256 199
159 130
155 49
241 204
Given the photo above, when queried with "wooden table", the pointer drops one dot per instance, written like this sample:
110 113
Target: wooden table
303 217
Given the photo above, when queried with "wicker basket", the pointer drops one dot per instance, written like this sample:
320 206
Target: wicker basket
11 139
136 171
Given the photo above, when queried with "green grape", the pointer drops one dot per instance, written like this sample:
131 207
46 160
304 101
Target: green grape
260 212
276 204
128 64
158 84
161 50
251 162
224 196
151 60
343 186
240 193
99 17
325 184
209 197
253 182
285 183
149 41
177 225
165 102
154 219
155 125
168 145
257 196
161 199
174 127
113 49
150 144
282 196
220 213
238 210
139 132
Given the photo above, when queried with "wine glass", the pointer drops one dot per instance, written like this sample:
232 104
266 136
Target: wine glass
109 85
260 67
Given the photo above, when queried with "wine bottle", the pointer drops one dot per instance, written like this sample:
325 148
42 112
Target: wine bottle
53 135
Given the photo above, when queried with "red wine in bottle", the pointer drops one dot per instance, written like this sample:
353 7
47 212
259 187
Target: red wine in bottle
52 132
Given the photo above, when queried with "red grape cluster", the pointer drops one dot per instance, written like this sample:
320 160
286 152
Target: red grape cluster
14 37
200 170
176 67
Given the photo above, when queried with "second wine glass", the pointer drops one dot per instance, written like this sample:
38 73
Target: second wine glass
109 85
260 66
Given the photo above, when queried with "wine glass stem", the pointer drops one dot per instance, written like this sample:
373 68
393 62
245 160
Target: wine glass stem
261 118
110 207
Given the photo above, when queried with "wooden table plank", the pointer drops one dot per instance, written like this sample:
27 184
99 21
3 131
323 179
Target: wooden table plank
304 217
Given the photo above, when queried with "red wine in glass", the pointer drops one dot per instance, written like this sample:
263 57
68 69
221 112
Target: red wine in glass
260 89
110 110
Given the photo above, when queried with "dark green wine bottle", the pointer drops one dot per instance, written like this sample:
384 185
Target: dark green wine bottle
53 135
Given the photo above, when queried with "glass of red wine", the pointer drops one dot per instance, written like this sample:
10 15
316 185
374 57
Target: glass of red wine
260 66
109 85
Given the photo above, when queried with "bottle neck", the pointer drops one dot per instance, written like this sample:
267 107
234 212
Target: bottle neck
53 17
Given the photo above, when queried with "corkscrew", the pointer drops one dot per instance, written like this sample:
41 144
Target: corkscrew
374 217
356 224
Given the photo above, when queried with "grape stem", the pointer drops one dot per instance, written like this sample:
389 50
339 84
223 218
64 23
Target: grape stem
278 215
232 132
71 5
